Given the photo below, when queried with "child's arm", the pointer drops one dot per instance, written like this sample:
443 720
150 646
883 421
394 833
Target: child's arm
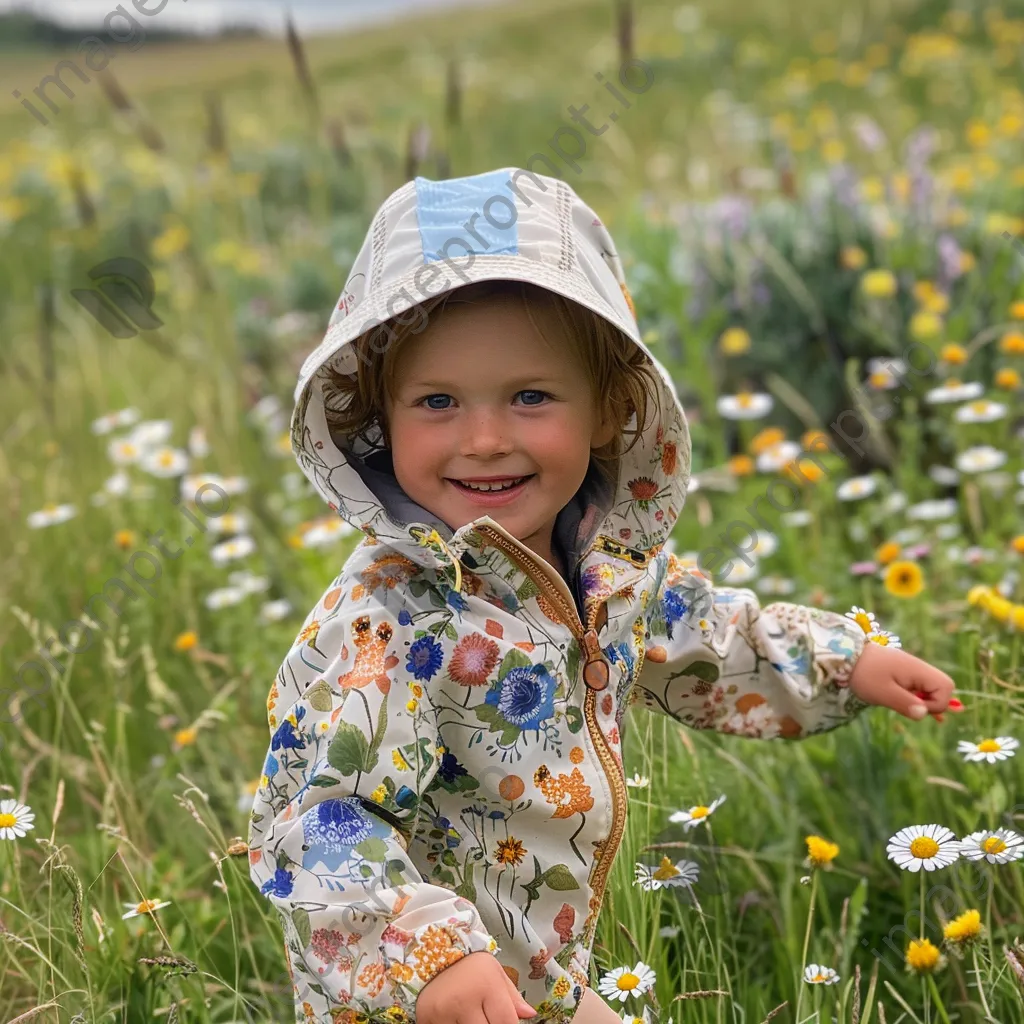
717 660
354 746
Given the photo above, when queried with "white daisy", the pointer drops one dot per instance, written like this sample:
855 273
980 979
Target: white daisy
51 515
632 1018
776 585
225 597
274 611
982 411
816 974
856 487
118 485
230 522
229 550
123 451
246 581
113 420
778 456
15 819
666 874
943 508
669 931
740 572
923 846
745 406
801 517
626 981
766 544
947 531
999 846
326 531
145 907
884 638
235 484
895 502
944 476
164 462
695 815
152 433
198 446
954 391
865 619
997 483
991 750
980 459
638 781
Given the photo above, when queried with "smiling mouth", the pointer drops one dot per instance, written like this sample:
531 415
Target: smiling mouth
492 486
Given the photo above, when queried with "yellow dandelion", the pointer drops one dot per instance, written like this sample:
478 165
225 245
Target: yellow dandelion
185 737
1012 343
734 342
820 852
740 465
965 929
1017 309
904 579
888 552
1007 379
925 325
955 355
879 284
186 641
124 539
380 794
765 439
852 257
923 957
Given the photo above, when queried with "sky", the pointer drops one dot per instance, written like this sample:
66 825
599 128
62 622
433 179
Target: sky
208 15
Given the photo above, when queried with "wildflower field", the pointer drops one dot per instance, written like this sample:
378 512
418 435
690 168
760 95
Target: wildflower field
821 211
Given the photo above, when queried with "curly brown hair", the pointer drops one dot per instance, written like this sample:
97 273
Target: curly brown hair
622 378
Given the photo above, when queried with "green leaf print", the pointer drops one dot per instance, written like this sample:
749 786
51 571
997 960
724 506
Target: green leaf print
572 661
378 735
702 670
515 658
348 750
449 631
395 871
466 889
574 716
527 589
559 877
319 696
325 781
300 918
374 849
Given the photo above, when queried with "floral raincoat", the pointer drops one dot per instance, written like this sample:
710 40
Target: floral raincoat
445 772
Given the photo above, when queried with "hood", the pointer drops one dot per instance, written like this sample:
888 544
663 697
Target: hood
430 237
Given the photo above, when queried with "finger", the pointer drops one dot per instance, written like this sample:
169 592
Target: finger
932 686
522 1007
499 1008
905 702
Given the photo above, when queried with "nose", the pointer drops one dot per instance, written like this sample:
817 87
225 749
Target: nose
487 433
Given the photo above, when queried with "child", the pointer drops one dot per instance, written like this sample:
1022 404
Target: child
444 795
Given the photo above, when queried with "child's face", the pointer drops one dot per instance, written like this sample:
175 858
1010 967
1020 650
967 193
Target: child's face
481 396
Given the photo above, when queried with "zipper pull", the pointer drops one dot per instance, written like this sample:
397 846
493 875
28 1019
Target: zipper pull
596 673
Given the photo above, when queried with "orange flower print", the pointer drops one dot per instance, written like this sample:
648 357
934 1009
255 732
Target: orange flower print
568 794
563 922
371 977
371 666
473 660
642 490
669 459
510 851
537 962
434 952
494 628
388 571
309 633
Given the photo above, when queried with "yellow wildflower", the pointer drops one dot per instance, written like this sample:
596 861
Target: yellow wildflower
820 852
879 284
963 930
904 579
185 641
923 957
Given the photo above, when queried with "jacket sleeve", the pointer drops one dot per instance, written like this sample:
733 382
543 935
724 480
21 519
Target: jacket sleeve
716 660
354 746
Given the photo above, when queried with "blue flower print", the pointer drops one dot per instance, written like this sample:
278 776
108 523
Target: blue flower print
331 829
525 697
457 601
424 658
279 884
675 608
449 769
270 766
404 618
286 738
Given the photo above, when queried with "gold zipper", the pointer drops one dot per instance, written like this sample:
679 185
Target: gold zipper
596 676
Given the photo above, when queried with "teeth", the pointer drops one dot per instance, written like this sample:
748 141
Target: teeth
493 487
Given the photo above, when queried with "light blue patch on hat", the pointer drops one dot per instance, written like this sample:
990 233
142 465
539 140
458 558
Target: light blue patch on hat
457 213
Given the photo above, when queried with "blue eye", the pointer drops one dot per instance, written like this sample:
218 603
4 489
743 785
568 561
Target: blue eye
443 398
540 395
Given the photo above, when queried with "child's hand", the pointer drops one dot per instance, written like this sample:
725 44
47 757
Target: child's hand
895 679
473 990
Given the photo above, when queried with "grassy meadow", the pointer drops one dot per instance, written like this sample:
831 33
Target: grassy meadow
821 210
